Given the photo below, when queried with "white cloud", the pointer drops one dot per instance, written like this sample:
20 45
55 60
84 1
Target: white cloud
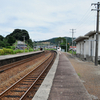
45 19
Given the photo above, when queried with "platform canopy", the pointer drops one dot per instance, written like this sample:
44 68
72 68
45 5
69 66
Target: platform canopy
91 33
81 38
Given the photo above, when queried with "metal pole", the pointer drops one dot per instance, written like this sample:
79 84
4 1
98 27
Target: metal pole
33 45
66 45
72 39
24 43
97 31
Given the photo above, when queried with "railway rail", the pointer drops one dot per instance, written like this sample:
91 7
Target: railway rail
26 87
8 77
11 65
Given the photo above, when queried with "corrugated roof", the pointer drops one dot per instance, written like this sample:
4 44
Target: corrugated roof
80 38
86 36
20 42
91 33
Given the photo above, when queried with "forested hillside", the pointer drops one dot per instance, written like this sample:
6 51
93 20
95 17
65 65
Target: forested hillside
17 34
54 41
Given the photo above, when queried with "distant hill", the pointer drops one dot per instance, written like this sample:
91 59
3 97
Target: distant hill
11 38
19 34
53 40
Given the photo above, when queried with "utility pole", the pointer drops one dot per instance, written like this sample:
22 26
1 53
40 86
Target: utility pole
97 31
72 38
24 43
33 45
66 44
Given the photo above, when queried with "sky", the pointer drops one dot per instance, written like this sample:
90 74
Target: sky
45 19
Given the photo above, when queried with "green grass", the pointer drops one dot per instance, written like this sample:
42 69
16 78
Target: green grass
50 49
79 74
74 52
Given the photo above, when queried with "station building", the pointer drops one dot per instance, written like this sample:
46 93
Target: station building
85 46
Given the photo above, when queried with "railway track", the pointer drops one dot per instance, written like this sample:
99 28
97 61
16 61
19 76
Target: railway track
26 87
10 76
11 65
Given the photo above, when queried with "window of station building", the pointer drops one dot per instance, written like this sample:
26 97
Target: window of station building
92 36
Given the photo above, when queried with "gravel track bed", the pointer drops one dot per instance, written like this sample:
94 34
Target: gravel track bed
8 77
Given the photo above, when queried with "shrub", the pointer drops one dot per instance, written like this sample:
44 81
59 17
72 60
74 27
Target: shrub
26 50
7 51
30 50
1 52
8 47
13 47
18 51
14 52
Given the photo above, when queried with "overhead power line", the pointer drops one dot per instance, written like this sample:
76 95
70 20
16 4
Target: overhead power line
84 17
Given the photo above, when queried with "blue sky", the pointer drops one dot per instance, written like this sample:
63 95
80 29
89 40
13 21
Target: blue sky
45 19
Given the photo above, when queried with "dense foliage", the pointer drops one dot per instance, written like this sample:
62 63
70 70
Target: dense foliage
6 51
3 42
1 37
17 34
62 43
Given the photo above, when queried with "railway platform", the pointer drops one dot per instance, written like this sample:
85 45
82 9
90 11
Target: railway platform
6 59
17 55
62 83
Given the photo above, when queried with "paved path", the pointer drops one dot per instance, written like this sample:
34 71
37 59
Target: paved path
66 83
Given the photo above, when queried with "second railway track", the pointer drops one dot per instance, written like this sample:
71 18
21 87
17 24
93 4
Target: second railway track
26 87
14 64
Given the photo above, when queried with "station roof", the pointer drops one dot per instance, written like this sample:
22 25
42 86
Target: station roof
20 42
91 33
86 36
80 38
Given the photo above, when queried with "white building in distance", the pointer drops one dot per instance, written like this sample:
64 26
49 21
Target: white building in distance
21 45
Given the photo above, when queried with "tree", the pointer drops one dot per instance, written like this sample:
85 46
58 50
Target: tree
62 43
18 34
25 33
1 38
30 42
2 44
11 40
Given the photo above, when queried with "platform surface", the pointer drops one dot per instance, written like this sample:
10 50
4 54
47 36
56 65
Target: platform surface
44 89
66 83
17 55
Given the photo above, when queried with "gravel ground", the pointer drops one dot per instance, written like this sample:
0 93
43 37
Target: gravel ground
10 76
89 74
